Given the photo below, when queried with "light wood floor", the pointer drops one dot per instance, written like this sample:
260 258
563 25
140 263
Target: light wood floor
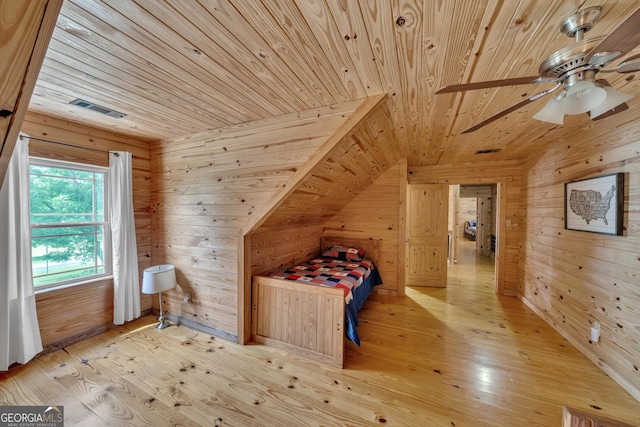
459 356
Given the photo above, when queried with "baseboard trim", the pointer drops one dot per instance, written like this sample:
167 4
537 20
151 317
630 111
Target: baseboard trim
185 321
86 334
619 379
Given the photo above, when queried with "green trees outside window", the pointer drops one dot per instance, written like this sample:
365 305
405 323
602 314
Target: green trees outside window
68 222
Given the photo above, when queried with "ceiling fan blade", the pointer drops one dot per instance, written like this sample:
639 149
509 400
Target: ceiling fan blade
500 114
603 82
512 108
629 65
623 39
615 110
494 83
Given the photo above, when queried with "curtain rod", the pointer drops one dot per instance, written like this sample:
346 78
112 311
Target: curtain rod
66 144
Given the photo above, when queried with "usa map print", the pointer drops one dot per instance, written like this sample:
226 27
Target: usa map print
595 204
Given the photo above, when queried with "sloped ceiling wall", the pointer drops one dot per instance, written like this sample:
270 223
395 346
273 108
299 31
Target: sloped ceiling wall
207 188
348 163
26 29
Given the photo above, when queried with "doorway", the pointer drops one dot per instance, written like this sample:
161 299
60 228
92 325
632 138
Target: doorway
472 227
431 245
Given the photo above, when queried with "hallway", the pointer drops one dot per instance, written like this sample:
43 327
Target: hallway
471 268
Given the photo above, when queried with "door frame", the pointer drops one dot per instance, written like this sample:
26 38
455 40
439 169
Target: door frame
501 218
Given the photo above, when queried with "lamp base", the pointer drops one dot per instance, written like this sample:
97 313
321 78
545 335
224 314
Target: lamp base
163 324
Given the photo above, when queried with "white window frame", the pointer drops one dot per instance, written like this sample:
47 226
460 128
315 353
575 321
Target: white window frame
61 164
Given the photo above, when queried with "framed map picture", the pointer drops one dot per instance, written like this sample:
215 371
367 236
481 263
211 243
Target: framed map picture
595 204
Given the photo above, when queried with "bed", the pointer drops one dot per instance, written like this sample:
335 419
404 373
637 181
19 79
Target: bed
308 319
470 229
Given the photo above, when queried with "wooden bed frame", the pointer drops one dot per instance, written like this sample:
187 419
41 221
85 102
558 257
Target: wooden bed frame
307 320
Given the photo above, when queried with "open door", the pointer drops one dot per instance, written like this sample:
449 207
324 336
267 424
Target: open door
427 236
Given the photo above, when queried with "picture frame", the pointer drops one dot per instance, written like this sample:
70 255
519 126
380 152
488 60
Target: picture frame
595 204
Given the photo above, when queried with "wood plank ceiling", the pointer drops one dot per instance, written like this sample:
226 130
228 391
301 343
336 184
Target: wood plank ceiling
177 67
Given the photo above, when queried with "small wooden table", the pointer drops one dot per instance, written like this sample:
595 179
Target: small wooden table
576 418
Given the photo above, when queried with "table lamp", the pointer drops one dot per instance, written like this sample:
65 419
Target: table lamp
156 280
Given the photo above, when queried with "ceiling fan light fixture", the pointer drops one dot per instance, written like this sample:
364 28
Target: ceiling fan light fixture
582 96
613 99
575 69
551 112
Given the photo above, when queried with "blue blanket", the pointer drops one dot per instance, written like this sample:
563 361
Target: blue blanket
360 294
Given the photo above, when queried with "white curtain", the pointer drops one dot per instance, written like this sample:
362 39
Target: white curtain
123 231
19 330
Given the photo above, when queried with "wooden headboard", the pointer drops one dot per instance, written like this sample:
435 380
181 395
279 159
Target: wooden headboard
370 246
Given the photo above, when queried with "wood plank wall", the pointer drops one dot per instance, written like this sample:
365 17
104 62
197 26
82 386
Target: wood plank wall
507 175
573 278
468 208
208 186
71 314
358 160
377 213
275 249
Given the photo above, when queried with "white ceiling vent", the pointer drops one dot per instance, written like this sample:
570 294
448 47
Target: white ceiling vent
98 109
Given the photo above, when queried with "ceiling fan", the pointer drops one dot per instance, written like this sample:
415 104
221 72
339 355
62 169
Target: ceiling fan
573 70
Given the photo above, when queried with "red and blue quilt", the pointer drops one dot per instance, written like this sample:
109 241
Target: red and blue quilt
331 272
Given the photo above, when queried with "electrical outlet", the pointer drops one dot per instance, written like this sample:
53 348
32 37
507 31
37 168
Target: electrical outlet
595 332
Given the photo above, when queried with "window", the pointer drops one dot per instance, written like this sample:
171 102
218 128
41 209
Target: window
70 234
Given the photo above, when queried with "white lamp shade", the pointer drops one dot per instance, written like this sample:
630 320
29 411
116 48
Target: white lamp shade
551 112
614 98
159 278
581 97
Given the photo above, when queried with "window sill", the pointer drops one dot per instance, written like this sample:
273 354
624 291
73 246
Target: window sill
74 284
